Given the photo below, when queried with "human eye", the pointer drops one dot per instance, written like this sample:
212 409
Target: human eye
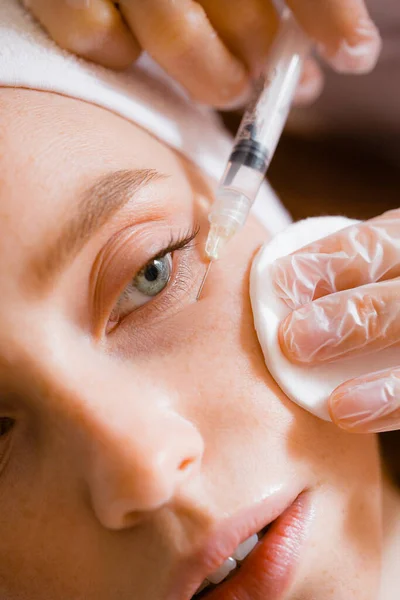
150 281
163 271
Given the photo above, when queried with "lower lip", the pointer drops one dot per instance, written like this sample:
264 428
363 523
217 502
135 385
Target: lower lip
270 568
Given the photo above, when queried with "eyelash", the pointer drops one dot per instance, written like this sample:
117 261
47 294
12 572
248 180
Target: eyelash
180 277
183 241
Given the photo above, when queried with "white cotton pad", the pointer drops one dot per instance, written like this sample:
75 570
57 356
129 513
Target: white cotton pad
309 387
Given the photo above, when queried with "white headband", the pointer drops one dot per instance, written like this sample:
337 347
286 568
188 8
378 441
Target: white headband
143 94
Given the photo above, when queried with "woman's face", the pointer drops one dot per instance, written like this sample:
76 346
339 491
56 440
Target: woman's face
142 438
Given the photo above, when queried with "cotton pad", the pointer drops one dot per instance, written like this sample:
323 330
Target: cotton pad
309 387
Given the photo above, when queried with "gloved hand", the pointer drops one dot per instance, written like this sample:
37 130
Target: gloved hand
345 294
211 47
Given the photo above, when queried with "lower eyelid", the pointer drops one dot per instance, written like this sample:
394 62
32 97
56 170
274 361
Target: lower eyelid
109 272
182 282
131 294
141 299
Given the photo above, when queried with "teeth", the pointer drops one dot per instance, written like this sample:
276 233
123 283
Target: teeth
230 564
223 572
244 549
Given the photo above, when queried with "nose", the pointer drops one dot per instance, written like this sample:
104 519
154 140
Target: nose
137 455
129 447
135 472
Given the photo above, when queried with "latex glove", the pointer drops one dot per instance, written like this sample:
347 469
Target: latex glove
211 47
345 292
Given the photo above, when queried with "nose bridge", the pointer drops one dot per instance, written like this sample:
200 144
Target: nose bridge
134 450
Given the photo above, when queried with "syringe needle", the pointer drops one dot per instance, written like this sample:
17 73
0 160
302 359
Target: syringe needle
203 280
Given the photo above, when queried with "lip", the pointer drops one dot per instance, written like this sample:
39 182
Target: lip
269 569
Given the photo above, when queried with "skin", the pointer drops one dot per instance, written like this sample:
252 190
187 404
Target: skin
211 47
130 444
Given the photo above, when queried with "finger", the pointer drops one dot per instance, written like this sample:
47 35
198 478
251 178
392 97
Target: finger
343 325
311 84
93 29
246 28
364 253
368 404
347 37
181 39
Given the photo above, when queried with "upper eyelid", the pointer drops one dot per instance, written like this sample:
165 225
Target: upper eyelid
116 190
184 242
161 305
178 241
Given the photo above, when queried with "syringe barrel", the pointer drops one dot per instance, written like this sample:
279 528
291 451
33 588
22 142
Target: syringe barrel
265 117
233 201
258 135
240 178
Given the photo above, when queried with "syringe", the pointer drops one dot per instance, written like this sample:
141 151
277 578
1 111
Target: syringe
257 137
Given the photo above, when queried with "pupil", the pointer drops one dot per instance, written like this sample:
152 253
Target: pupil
151 272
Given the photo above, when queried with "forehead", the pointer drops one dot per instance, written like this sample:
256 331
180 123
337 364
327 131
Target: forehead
46 139
51 148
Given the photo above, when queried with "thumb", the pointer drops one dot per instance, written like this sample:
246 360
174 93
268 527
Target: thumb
368 404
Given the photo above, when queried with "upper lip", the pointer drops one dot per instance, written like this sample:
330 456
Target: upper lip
224 539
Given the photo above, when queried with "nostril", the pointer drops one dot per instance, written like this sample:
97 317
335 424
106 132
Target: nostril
186 464
134 518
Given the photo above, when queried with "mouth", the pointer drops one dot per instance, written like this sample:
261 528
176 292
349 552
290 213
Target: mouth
231 566
264 564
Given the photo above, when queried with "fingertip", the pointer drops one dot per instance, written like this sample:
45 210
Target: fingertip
311 84
92 30
104 38
286 340
334 399
182 40
231 94
111 52
247 31
234 99
347 409
358 53
363 405
343 31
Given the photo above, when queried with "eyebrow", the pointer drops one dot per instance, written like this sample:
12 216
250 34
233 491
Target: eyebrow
97 205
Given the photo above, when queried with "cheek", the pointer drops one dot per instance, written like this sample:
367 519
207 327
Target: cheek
215 336
344 558
209 358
